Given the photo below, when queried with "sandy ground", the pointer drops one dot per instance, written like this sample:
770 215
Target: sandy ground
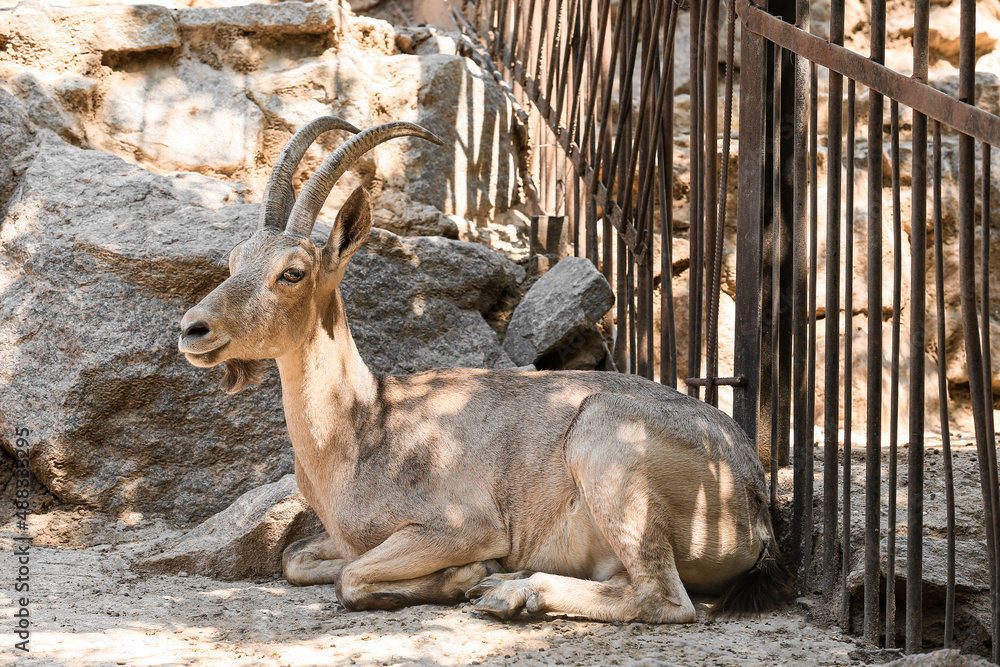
88 608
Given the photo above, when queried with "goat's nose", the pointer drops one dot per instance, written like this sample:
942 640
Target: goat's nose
199 328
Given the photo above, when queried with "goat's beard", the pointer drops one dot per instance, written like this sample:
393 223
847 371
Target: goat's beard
241 372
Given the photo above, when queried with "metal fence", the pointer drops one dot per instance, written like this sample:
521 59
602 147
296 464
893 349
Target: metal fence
593 81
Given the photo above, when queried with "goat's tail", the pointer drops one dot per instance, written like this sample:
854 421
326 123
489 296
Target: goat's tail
759 588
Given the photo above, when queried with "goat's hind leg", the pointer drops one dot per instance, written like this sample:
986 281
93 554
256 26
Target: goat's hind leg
605 449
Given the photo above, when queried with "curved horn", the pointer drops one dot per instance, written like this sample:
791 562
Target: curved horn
278 194
317 189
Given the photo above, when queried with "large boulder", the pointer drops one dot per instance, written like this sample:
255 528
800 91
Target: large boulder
245 540
220 91
101 259
562 304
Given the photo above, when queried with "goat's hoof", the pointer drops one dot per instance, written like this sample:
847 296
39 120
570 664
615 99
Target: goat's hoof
504 599
494 580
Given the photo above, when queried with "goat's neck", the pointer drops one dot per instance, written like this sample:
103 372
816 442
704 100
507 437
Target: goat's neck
325 388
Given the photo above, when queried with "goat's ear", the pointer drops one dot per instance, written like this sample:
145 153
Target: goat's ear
350 230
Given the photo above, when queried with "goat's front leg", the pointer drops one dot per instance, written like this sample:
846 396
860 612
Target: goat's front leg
312 560
416 566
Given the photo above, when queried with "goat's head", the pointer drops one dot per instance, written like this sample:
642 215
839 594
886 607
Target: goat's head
279 279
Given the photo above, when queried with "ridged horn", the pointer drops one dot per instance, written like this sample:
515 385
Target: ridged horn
317 189
278 194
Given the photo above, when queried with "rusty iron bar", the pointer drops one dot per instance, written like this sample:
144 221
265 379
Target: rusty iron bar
623 279
984 287
710 116
949 475
695 228
965 118
985 444
845 544
918 341
873 431
749 224
831 378
646 150
772 340
772 84
897 296
800 318
807 515
715 284
668 339
784 198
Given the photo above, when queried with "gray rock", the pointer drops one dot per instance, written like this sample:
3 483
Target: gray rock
568 299
245 540
286 18
33 28
17 140
102 258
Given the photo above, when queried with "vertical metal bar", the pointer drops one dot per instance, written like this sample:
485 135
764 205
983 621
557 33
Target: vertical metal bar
668 338
775 154
831 378
622 143
984 286
949 475
807 521
897 295
748 229
802 430
773 244
715 285
784 199
845 540
967 290
696 229
775 314
873 435
710 196
918 344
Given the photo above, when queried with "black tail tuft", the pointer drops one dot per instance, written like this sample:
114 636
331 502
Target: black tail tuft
765 584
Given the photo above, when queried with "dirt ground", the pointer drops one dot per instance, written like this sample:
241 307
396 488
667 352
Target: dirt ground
89 608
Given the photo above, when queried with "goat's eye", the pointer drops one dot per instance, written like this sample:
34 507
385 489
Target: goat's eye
293 275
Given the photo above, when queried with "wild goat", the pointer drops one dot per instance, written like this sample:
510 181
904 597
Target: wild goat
597 494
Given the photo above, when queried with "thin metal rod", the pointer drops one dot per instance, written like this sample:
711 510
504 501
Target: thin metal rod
985 444
873 435
845 540
749 225
984 287
802 430
715 285
949 475
918 345
807 514
696 228
831 378
711 166
897 295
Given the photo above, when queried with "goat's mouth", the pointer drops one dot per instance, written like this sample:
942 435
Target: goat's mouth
205 358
